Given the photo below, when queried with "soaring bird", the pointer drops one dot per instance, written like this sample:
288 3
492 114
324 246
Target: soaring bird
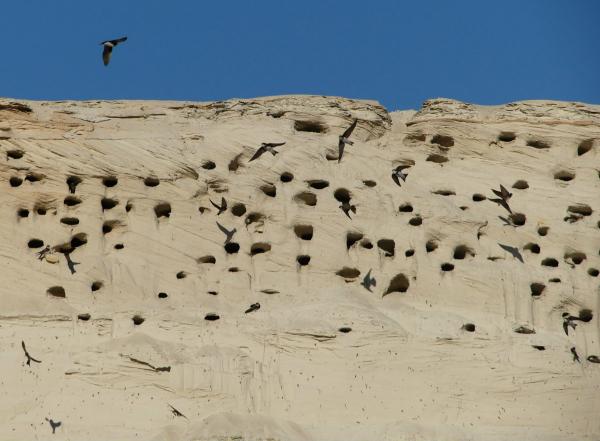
568 321
29 357
397 174
503 193
346 208
253 307
266 147
368 281
575 355
108 47
228 233
177 413
344 139
223 206
54 424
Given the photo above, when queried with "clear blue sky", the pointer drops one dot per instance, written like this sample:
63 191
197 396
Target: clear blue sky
397 52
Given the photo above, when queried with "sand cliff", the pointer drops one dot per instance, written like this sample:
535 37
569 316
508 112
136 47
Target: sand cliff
140 305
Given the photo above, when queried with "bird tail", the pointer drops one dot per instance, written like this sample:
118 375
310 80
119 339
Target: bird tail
349 142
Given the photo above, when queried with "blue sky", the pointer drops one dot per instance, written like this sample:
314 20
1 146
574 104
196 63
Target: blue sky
399 53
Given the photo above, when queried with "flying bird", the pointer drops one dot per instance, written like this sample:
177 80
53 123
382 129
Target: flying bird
108 47
29 357
502 203
346 208
221 208
397 174
503 193
253 307
344 139
177 413
368 281
70 262
266 147
568 321
228 234
41 254
54 424
575 355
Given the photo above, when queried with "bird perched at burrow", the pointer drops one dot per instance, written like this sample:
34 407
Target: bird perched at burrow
344 139
266 147
108 48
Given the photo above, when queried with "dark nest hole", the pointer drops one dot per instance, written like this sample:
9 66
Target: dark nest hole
537 289
310 126
15 181
585 146
538 144
213 293
56 291
73 182
34 177
303 260
71 201
415 221
582 209
108 203
259 248
238 210
405 208
138 320
507 136
318 184
437 158
586 315
554 280
163 295
388 246
576 257
593 272
269 189
521 185
233 269
518 219
96 286
550 261
447 266
119 246
110 181
232 248
23 212
369 183
304 232
209 165
35 243
151 181
431 245
443 140
342 195
14 154
352 237
478 197
543 231
162 210
469 327
564 175
211 317
398 284
71 221
539 347
366 244
128 207
345 329
444 192
254 217
78 240
462 251
83 317
348 273
286 177
307 198
108 226
41 210
207 259
532 247
409 253
181 275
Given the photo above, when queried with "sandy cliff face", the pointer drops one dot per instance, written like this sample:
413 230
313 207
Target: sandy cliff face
139 303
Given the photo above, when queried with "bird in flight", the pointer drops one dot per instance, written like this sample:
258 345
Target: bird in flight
503 193
108 47
228 233
29 357
568 321
177 413
344 139
41 254
266 147
253 307
221 208
397 174
346 208
54 424
368 281
575 355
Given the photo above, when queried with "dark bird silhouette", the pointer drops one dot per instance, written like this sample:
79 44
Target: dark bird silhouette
54 424
368 281
72 182
503 194
253 307
266 147
108 47
29 357
177 413
228 234
512 250
41 254
344 139
346 208
502 203
480 231
568 321
221 208
70 263
575 355
593 359
397 174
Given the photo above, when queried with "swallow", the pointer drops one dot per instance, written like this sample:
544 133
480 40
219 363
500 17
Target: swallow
70 262
344 139
575 356
54 424
266 147
502 203
253 307
29 357
593 359
368 281
228 234
346 208
568 321
41 254
108 47
397 174
223 206
503 193
177 413
512 250
72 182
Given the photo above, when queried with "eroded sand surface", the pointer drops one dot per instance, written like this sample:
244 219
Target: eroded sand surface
119 312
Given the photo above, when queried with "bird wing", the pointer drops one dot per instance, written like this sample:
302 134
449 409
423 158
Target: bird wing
350 129
214 205
341 146
497 193
258 153
273 144
223 229
505 205
505 194
106 54
23 346
223 204
566 326
396 180
118 40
